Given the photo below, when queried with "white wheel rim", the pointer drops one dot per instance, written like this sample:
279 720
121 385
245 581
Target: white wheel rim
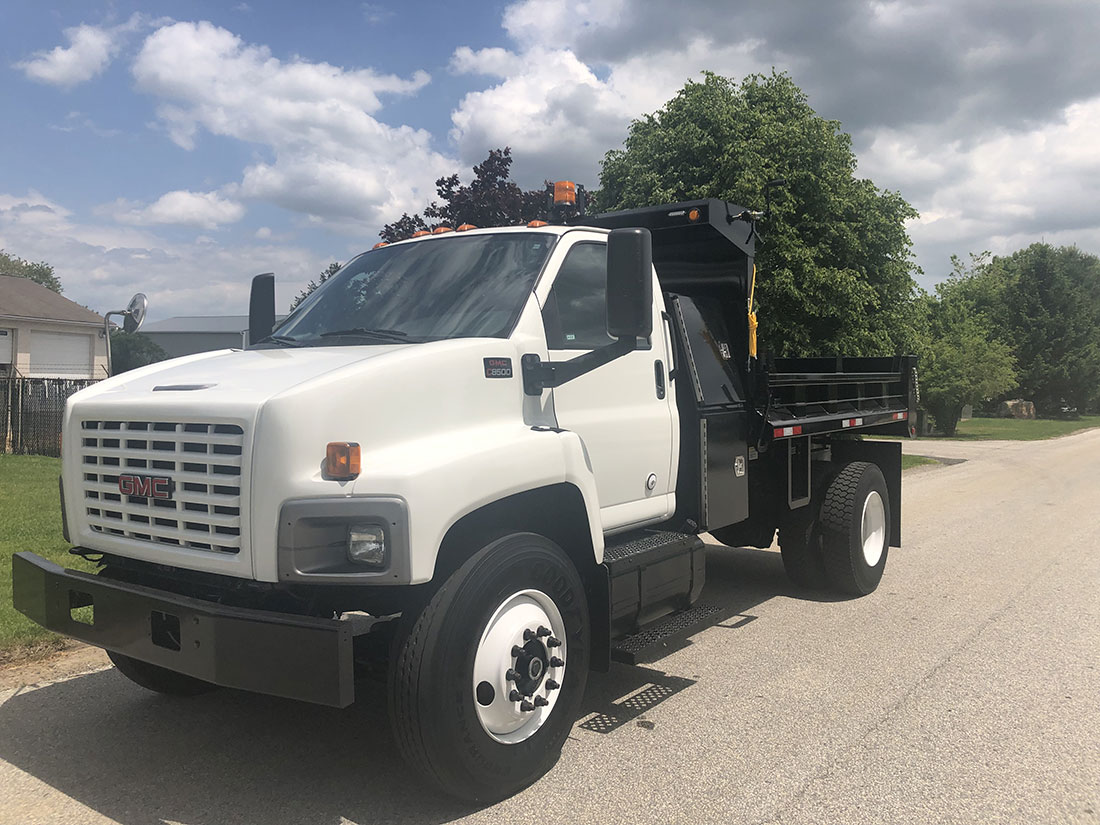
505 719
873 528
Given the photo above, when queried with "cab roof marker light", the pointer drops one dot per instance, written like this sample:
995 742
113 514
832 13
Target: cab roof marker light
466 227
533 224
420 233
439 230
379 245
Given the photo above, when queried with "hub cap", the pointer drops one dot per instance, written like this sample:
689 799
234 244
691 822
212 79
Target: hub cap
873 528
519 666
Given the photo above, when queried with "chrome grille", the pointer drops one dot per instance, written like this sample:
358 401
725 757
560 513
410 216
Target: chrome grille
203 460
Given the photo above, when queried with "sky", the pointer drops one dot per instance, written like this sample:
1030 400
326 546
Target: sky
178 148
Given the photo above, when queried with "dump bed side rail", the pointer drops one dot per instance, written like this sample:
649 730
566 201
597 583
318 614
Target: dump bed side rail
809 396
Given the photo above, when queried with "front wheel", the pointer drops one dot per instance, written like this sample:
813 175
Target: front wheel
487 680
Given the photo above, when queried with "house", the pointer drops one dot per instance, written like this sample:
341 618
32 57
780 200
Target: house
45 335
188 334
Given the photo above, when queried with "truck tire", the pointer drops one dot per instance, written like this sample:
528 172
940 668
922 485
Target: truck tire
158 679
486 681
855 528
800 546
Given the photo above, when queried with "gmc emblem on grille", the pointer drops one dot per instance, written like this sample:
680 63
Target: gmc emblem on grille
145 486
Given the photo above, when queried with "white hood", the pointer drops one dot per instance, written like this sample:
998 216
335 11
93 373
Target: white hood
233 375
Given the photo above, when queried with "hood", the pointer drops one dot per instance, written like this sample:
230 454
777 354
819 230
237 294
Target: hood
232 375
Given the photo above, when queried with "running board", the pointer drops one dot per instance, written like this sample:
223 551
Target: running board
667 635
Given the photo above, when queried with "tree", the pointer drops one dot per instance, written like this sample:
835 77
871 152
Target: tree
40 273
835 267
491 199
132 350
1045 302
327 273
963 362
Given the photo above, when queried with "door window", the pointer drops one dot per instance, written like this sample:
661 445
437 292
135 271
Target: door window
575 314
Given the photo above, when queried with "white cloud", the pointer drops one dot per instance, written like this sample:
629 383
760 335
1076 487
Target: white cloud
203 210
90 50
101 264
332 158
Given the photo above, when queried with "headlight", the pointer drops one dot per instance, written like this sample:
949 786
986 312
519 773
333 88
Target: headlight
367 544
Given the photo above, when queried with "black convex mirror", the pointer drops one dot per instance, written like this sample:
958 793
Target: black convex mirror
261 307
629 283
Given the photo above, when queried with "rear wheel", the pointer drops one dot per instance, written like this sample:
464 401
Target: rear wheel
855 528
800 546
487 680
158 679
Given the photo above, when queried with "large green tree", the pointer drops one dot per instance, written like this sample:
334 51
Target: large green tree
835 267
40 272
962 359
1044 301
132 350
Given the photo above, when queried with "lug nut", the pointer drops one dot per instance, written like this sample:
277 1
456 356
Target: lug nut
516 651
511 675
553 642
556 662
543 631
526 706
514 696
541 702
552 685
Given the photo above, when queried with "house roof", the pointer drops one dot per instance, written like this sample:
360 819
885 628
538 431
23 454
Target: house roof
202 324
23 298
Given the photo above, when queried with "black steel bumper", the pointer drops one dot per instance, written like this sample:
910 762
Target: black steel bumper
297 657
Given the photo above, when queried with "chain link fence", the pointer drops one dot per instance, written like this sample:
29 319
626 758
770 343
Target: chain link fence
31 412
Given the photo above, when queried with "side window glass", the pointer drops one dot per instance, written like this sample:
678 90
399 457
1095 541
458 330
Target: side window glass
575 314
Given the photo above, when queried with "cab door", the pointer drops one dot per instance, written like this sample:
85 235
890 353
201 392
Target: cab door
623 411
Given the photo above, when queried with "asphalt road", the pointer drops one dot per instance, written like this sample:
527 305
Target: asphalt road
966 689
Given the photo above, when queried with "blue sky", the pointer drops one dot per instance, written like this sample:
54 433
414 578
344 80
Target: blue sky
178 148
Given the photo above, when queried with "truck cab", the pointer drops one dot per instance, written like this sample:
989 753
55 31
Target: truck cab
483 457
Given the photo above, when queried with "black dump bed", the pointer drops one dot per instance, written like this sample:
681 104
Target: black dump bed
704 254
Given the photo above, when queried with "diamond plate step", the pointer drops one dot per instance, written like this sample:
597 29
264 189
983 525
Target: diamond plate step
665 635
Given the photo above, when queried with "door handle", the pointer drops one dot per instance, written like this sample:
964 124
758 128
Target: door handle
659 374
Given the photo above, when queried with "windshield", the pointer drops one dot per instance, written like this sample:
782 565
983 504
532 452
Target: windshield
455 287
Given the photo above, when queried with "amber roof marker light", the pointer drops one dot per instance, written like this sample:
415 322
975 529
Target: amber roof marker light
420 233
439 230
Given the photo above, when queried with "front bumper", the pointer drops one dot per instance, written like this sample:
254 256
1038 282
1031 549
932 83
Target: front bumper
297 657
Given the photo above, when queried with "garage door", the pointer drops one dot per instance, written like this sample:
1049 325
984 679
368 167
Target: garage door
63 354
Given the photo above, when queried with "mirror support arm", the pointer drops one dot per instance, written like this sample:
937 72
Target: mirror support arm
539 375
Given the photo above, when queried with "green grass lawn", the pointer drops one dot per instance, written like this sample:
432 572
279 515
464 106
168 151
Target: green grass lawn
909 461
1011 429
30 519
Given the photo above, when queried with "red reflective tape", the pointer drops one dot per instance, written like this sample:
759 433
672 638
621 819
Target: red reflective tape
782 432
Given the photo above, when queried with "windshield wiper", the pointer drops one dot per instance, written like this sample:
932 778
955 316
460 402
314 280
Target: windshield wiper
285 340
363 332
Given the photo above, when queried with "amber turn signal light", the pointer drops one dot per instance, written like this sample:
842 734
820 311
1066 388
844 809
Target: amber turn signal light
342 460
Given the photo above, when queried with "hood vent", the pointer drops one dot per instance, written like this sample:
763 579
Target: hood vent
182 387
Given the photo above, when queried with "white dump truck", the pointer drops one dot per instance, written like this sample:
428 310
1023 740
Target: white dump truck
484 457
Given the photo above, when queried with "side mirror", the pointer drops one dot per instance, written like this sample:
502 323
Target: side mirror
630 283
135 313
261 307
